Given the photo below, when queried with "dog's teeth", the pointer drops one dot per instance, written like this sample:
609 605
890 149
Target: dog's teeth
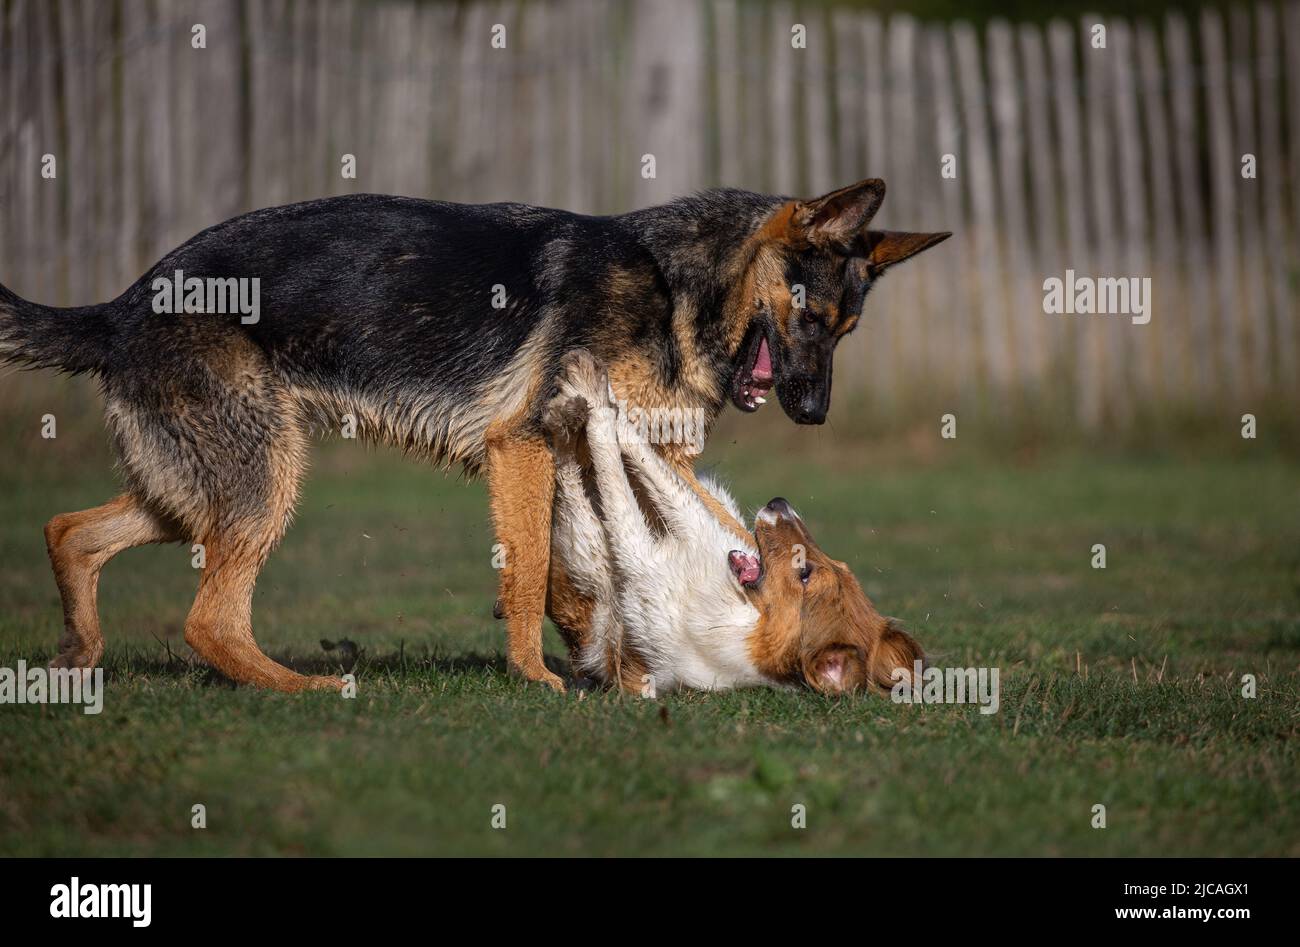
760 401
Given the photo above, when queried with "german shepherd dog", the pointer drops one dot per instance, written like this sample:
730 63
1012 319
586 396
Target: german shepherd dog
438 328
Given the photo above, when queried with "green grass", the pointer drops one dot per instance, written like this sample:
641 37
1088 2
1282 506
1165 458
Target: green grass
1119 686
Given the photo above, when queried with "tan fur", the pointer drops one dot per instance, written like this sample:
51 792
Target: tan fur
774 643
829 623
220 623
636 382
895 650
782 226
693 375
627 667
80 544
569 609
521 486
763 282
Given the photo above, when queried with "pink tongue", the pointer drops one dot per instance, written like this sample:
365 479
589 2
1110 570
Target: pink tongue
745 567
762 373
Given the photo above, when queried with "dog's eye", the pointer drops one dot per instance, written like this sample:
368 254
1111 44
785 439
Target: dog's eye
805 573
811 317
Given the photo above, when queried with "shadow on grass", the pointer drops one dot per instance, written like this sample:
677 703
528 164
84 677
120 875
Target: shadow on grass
164 662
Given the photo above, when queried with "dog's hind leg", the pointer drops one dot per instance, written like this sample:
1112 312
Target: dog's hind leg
79 545
583 379
671 496
248 518
577 534
220 624
214 438
581 598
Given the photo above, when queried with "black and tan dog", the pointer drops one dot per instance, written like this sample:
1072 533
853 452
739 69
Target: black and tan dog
439 328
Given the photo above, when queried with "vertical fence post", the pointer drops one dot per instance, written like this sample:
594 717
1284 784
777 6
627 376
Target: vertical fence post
988 279
785 165
1099 375
1043 254
1252 302
1192 219
1134 341
955 346
1272 175
1008 112
1223 170
1175 305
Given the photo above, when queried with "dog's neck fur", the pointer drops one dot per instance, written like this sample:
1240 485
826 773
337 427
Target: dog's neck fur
702 245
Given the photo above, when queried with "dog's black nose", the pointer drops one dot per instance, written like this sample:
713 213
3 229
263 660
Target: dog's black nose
812 410
780 506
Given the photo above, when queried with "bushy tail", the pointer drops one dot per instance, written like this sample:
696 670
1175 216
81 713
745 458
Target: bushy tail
70 340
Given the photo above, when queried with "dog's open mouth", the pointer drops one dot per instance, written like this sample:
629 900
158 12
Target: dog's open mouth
754 376
746 568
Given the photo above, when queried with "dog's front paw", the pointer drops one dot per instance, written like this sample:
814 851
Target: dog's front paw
582 376
564 417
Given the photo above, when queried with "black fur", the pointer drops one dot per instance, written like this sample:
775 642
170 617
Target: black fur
379 294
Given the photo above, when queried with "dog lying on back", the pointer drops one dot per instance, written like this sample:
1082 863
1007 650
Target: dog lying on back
680 600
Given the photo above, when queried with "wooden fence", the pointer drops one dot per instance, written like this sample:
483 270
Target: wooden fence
1125 160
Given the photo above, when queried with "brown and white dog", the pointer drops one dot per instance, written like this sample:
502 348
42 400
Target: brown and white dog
680 599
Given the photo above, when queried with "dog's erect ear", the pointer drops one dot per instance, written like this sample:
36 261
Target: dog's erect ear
837 219
884 248
835 668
